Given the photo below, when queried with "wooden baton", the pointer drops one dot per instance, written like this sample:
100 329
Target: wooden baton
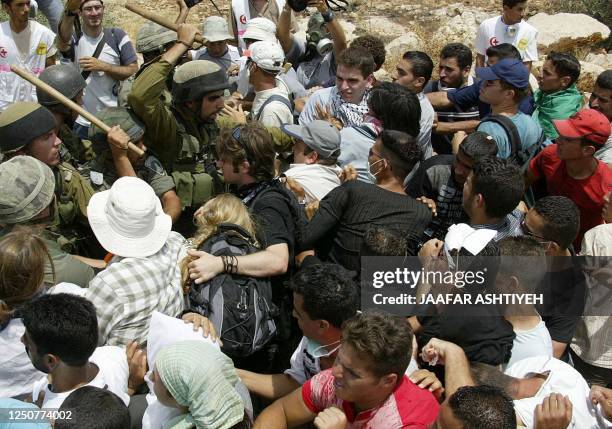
164 22
69 104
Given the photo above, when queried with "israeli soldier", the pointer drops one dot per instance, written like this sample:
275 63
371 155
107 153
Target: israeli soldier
27 128
68 81
27 199
184 134
152 40
113 160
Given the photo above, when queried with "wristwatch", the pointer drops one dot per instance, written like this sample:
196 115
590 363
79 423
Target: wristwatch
328 15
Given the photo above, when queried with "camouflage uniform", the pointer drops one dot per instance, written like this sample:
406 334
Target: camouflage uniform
19 125
151 42
102 172
26 189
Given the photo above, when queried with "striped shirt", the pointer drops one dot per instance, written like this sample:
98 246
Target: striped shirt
127 292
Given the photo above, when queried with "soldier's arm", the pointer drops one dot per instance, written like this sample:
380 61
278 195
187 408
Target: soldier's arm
282 141
171 204
145 99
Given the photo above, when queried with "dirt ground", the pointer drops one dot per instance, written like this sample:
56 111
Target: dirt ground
131 22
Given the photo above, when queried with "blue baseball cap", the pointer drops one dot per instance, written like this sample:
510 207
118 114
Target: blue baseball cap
510 70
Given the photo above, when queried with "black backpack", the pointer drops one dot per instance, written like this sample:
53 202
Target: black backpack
518 156
240 307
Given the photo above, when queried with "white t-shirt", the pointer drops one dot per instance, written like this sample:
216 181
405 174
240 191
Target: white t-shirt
100 92
426 124
231 57
563 379
112 375
316 179
275 113
17 374
493 31
533 342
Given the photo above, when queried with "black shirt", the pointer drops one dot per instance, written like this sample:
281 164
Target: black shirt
435 180
337 229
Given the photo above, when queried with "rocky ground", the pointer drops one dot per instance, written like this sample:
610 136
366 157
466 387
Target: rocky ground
410 24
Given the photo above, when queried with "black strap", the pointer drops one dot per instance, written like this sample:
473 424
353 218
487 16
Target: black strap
272 98
96 54
511 131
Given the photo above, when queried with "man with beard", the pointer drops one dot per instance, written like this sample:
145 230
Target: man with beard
182 134
601 100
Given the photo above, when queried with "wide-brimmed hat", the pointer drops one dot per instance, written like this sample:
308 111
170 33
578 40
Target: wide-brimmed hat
260 28
128 219
216 29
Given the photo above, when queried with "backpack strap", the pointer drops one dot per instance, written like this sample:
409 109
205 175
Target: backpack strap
511 131
367 131
232 227
96 54
271 99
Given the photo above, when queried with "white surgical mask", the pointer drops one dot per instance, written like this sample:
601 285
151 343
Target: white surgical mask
317 350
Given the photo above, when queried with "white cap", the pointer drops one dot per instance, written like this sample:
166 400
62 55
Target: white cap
128 219
216 29
267 55
260 29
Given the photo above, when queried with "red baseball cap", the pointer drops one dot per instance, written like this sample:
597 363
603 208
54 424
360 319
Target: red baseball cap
588 123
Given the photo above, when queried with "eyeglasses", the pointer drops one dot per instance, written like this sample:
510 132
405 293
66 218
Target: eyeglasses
237 135
528 232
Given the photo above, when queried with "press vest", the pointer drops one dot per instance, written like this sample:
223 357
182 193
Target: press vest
12 87
243 16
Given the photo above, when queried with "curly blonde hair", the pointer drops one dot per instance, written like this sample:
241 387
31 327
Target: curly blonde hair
224 208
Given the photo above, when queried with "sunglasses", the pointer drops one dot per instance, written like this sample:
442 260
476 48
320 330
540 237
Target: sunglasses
237 135
528 232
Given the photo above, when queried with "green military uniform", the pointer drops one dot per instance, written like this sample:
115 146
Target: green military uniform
20 124
74 150
26 189
185 144
102 172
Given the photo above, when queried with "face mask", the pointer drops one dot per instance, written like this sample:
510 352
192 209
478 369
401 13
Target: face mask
375 163
317 350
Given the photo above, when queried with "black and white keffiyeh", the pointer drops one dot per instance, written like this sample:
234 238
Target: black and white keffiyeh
350 114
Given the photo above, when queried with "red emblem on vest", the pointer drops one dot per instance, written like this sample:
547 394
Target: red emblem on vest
243 19
3 52
493 41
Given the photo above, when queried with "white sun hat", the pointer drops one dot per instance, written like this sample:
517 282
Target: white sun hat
128 219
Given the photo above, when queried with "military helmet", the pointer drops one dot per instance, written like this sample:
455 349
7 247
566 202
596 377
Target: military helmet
153 36
193 80
111 116
65 79
22 122
26 188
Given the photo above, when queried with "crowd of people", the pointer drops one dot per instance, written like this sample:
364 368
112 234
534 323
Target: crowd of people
194 257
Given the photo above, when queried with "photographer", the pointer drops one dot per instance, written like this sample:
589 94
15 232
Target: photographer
315 57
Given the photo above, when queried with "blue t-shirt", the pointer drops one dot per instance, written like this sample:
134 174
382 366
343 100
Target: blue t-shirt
529 131
469 96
